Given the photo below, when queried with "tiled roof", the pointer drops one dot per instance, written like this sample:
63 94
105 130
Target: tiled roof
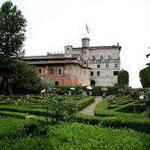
50 56
43 60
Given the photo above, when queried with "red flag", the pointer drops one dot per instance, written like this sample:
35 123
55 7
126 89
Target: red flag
87 28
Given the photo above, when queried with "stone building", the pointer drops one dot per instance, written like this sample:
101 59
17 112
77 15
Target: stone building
85 65
104 61
60 69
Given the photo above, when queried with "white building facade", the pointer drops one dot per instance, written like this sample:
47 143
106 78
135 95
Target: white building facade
104 61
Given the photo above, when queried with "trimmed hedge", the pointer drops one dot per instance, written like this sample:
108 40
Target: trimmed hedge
113 122
131 108
23 109
16 134
21 115
85 102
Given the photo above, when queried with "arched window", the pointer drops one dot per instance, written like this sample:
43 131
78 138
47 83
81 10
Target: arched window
101 57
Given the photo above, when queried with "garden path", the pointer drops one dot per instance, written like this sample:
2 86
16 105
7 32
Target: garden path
89 110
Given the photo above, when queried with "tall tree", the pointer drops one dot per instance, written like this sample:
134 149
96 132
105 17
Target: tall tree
12 36
12 30
123 78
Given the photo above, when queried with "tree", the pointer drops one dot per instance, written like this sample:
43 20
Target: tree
12 36
123 78
26 78
145 77
12 30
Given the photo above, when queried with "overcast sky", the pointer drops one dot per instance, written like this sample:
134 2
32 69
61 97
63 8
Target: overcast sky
52 24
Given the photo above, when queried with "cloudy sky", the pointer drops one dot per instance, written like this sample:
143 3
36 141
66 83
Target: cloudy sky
52 24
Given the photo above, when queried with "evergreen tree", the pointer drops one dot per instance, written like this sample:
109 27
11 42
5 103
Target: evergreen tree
145 77
123 78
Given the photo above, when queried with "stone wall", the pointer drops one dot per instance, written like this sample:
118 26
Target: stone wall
70 74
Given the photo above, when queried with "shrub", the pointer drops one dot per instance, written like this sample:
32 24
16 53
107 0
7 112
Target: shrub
145 77
33 128
115 122
132 108
60 108
98 92
26 80
85 102
147 102
123 78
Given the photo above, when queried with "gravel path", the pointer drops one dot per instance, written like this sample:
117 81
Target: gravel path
89 110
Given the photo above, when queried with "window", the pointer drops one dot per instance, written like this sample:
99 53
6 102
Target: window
107 65
115 73
93 57
109 57
40 71
60 71
98 73
56 83
98 66
92 73
101 57
116 65
50 71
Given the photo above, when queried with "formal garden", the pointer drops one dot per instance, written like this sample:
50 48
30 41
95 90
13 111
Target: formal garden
37 116
54 122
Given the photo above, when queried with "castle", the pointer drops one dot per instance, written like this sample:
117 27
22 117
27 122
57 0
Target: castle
85 65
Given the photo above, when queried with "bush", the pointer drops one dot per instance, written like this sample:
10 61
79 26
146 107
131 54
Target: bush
59 108
115 122
132 108
123 78
61 90
145 77
26 80
33 128
85 102
98 92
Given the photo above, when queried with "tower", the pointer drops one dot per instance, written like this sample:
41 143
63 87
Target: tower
68 51
85 50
